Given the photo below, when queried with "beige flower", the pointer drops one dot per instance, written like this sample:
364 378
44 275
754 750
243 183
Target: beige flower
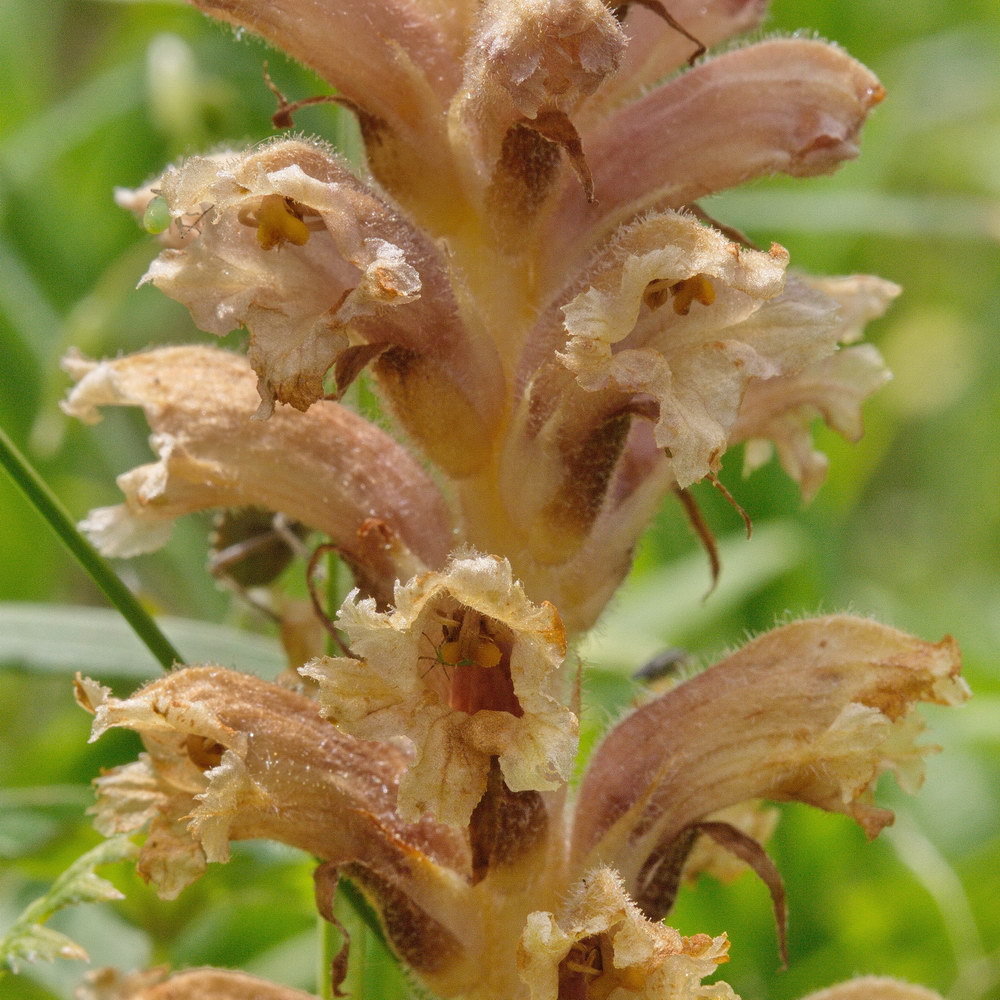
464 667
603 946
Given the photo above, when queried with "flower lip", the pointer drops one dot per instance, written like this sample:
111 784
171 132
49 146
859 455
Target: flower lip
463 666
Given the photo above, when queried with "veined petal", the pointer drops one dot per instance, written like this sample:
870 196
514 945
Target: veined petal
327 468
461 666
783 106
602 945
693 359
779 412
814 711
231 757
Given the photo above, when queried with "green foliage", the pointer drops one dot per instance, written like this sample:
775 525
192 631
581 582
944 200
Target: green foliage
29 940
907 528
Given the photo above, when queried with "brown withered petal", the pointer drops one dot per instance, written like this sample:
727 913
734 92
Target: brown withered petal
874 988
327 468
814 711
232 757
800 105
192 984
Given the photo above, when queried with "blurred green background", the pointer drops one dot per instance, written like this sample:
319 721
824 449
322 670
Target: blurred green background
907 528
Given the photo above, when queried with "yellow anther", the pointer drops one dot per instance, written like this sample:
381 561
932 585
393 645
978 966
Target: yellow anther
657 292
278 222
487 654
449 653
697 288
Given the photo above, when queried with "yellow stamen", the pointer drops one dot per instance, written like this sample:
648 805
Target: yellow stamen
278 222
697 288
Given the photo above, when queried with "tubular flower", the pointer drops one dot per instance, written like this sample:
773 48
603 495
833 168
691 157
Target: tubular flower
561 337
463 666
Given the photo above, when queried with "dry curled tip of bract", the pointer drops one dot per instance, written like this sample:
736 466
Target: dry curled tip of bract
602 945
464 667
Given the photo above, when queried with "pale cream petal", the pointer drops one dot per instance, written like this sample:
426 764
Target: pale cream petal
779 412
694 362
821 710
861 298
327 468
460 697
602 945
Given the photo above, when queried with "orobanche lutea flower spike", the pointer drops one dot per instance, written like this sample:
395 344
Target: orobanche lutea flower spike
561 337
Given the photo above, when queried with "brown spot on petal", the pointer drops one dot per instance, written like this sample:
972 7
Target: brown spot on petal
522 178
588 465
420 940
505 825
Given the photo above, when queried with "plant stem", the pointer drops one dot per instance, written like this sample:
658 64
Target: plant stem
57 517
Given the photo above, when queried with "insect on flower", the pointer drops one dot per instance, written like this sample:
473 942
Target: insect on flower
157 218
465 642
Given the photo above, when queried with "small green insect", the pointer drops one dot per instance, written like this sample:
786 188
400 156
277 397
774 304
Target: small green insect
156 219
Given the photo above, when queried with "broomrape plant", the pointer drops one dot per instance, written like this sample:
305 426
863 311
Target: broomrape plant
561 338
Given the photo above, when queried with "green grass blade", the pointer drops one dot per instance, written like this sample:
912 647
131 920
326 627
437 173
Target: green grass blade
47 504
